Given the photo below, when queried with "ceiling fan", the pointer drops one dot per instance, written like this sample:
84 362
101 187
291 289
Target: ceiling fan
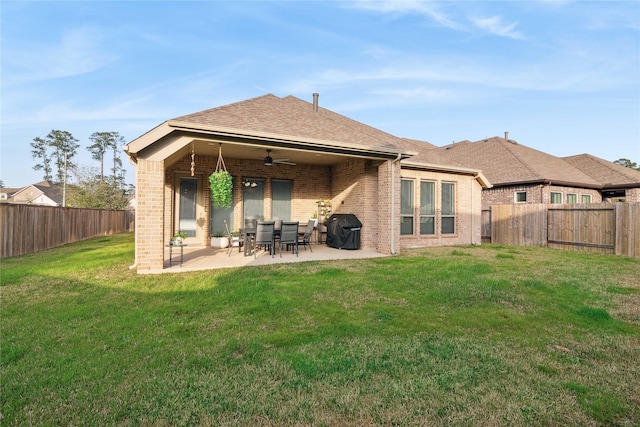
269 161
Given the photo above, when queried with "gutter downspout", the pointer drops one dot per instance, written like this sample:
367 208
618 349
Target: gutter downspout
392 204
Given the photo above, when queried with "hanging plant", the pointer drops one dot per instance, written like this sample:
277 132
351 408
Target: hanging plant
221 184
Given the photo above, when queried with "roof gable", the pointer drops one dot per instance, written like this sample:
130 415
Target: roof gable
292 117
505 162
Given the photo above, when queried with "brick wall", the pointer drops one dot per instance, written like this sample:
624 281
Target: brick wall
150 218
468 202
632 195
536 193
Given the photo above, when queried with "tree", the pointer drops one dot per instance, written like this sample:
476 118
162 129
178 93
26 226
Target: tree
1 183
40 151
103 142
118 172
627 163
65 147
92 192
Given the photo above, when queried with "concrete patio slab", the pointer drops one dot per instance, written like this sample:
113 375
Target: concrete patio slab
198 258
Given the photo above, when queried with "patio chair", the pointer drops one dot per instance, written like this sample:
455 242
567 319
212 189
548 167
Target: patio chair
264 236
305 238
289 235
233 241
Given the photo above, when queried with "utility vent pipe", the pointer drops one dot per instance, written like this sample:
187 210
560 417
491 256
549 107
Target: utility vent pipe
506 136
315 102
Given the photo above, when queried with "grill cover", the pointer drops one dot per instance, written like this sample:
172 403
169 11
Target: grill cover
343 231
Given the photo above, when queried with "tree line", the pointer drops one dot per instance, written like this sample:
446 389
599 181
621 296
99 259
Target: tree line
97 188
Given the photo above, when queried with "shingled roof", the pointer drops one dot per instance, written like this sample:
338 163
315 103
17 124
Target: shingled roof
609 174
505 162
291 117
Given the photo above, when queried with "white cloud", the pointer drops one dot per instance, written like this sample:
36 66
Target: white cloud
426 8
79 51
495 26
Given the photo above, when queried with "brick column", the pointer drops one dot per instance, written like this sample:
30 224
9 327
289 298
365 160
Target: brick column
150 216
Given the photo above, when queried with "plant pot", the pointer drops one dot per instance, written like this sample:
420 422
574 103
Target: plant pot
220 242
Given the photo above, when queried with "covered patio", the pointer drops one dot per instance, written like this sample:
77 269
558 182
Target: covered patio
196 258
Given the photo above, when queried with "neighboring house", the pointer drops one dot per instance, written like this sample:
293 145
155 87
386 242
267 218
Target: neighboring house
6 194
403 196
618 182
43 193
520 174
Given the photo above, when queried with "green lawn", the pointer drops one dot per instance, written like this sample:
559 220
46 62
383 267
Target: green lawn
472 336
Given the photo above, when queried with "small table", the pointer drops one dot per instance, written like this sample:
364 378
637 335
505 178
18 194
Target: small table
171 261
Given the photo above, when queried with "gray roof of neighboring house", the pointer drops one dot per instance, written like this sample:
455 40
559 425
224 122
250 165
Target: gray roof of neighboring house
52 191
292 117
505 162
607 173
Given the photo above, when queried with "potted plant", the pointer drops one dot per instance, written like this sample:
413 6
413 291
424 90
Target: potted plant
324 207
178 238
221 185
219 239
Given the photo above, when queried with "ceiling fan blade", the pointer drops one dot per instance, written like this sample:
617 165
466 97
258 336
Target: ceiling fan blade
284 162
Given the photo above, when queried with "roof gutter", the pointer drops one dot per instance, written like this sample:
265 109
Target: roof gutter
551 182
392 205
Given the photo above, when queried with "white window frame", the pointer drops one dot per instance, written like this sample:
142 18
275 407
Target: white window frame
587 196
515 197
551 197
572 194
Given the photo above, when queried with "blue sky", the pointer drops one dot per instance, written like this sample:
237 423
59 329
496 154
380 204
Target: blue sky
561 76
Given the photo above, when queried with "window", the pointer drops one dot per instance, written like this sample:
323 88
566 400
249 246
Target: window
556 197
572 198
586 198
406 207
448 219
253 199
521 197
427 207
281 199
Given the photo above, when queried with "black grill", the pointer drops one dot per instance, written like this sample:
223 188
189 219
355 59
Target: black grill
343 231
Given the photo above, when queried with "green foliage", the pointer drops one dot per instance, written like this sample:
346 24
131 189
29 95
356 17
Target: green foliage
627 163
92 192
221 184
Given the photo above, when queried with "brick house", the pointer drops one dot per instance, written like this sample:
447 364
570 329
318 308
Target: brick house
520 174
285 154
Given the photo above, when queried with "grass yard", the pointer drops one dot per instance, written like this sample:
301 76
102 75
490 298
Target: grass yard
471 336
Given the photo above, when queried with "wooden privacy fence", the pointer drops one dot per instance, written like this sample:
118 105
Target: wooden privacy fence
27 228
599 227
